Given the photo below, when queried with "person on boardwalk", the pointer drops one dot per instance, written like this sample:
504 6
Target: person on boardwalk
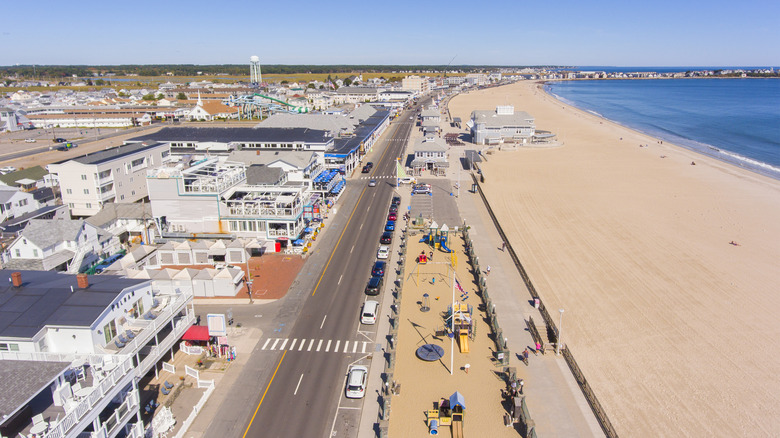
539 347
487 271
525 356
503 246
431 256
521 386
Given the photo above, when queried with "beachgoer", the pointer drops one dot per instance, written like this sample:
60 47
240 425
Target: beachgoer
538 346
466 368
503 246
521 386
433 281
431 256
525 356
487 272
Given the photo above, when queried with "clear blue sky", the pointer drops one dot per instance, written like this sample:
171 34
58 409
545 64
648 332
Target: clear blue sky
566 32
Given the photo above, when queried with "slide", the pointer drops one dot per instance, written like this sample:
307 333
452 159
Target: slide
457 428
425 238
464 341
443 245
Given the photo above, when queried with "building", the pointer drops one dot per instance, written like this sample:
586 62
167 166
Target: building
355 95
129 222
73 347
89 182
416 84
14 202
59 245
209 111
501 125
430 154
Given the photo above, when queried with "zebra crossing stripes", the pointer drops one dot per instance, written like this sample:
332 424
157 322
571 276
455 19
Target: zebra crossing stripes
281 344
379 177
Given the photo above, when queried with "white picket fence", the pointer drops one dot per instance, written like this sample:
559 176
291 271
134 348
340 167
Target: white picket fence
192 372
190 349
169 367
209 385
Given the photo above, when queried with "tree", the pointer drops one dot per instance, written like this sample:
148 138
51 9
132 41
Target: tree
347 82
149 96
181 96
312 86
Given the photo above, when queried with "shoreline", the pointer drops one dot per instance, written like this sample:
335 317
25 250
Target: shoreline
666 270
703 149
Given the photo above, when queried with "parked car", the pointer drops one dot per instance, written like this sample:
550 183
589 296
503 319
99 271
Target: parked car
390 226
7 169
59 140
372 183
421 189
356 381
396 200
30 140
387 237
379 269
393 209
374 285
383 252
392 216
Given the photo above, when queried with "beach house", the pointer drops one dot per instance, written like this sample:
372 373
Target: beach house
500 126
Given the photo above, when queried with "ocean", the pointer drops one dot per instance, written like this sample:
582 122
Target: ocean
734 120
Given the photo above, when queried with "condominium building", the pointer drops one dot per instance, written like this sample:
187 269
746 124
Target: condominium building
112 175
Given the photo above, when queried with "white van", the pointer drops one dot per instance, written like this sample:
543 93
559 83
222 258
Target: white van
370 308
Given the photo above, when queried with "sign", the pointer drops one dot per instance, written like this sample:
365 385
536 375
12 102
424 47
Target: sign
217 324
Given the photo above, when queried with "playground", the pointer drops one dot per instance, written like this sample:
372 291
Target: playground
459 399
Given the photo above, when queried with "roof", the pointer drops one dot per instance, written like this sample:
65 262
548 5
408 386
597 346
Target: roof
345 146
35 173
328 122
21 380
245 135
492 119
112 211
45 299
430 112
196 333
113 153
261 175
6 193
213 107
299 159
357 90
48 232
429 145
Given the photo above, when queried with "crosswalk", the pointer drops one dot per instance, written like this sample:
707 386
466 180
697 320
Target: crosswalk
323 345
378 177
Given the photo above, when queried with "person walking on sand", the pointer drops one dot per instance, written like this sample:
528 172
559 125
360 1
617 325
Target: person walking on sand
521 386
487 271
503 246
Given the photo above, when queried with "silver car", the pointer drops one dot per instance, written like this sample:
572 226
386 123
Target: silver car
356 381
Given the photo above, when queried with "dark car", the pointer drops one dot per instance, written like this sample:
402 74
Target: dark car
367 168
387 237
374 286
390 226
396 200
393 209
59 140
379 269
392 217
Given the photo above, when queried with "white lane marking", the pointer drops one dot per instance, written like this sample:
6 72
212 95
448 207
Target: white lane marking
323 321
346 343
281 347
364 346
273 347
319 345
327 347
303 342
266 343
310 344
292 346
354 347
298 385
342 276
336 348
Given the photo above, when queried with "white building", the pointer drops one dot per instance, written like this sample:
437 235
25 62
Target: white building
416 84
501 125
112 175
14 202
73 347
59 245
430 154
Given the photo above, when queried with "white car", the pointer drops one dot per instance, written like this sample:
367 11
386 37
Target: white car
383 252
356 381
372 183
30 140
8 169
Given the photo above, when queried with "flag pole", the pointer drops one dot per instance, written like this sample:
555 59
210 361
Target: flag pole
452 324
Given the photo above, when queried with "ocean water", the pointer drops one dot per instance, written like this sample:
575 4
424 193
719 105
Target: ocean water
734 120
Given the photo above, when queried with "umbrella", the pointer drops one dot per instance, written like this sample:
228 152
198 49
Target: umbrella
298 242
307 230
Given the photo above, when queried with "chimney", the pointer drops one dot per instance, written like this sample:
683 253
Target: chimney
83 281
16 279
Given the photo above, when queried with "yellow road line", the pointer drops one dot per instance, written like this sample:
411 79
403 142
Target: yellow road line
264 393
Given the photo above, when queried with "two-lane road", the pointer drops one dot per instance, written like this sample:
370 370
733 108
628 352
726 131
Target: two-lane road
304 393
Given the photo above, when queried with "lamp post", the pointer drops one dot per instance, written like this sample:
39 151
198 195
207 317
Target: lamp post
560 331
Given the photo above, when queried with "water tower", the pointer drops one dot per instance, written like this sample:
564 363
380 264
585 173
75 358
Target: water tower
254 70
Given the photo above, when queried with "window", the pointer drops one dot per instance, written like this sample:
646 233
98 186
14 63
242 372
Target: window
86 191
83 177
122 197
22 203
133 193
35 253
18 253
71 205
109 331
9 347
137 162
69 191
89 205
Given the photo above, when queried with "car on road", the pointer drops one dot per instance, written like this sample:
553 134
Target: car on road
356 381
7 169
392 216
390 226
367 168
30 140
387 237
383 252
407 180
396 200
411 117
372 183
421 189
379 269
393 209
374 285
59 140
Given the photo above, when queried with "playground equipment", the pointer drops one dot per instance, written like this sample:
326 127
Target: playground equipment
256 105
463 342
447 412
462 324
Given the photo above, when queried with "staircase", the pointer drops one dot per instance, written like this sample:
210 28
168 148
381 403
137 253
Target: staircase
75 262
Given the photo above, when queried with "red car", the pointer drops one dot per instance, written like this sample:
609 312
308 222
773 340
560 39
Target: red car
392 217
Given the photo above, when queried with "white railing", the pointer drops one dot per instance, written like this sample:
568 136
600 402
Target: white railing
190 349
40 356
101 390
157 351
75 262
136 431
169 367
192 372
110 427
158 322
196 409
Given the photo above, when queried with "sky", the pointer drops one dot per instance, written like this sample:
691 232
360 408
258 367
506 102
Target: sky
564 32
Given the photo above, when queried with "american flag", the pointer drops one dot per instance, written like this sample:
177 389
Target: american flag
457 284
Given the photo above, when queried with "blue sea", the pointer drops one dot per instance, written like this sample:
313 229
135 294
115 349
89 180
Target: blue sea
734 120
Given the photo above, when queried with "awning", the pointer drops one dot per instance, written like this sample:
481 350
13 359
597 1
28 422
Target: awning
196 333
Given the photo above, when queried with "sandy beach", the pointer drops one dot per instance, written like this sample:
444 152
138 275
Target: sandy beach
674 326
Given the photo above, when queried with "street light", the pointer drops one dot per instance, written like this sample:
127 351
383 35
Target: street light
560 331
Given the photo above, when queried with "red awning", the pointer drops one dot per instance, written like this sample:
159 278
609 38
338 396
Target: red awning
196 333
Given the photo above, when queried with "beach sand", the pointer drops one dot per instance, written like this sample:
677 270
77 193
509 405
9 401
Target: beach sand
675 327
